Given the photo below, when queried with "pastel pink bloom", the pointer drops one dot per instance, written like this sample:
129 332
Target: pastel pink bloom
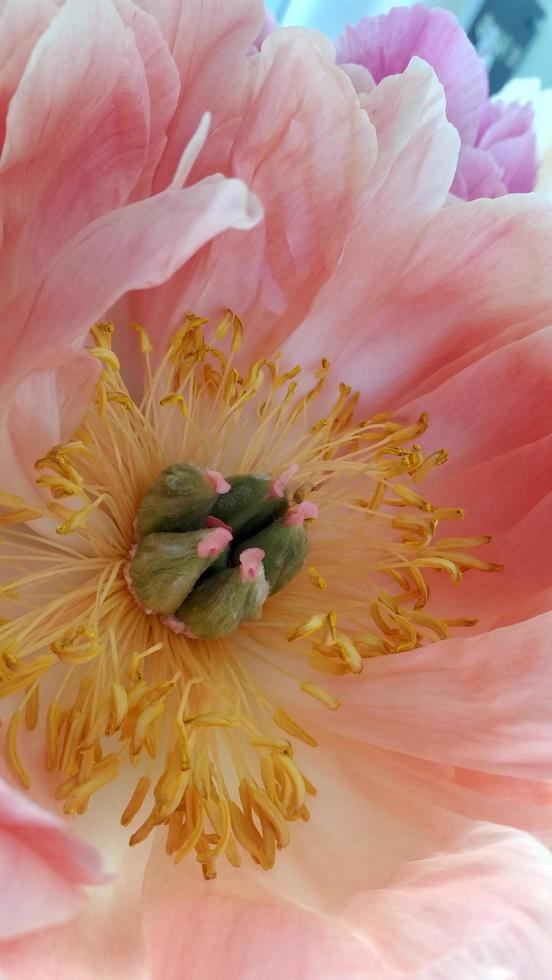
426 850
498 151
42 867
269 24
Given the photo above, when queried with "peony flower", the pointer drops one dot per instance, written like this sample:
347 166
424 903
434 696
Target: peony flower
498 152
240 591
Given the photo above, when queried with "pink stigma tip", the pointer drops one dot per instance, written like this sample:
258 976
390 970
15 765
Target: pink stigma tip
303 512
278 486
177 626
217 481
214 543
250 561
216 522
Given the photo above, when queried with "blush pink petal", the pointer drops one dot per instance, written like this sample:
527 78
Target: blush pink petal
477 175
140 245
21 24
209 43
418 321
163 83
76 139
479 703
42 866
384 45
310 199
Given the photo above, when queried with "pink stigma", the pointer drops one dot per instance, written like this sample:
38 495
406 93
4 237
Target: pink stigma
250 561
278 486
217 481
214 543
303 512
216 522
177 626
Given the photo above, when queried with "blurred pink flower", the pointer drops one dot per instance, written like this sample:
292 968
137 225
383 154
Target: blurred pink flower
498 152
424 854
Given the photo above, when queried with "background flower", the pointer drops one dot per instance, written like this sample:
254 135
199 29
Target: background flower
498 152
438 753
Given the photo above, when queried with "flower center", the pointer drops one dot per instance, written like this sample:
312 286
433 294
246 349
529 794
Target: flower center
211 550
164 590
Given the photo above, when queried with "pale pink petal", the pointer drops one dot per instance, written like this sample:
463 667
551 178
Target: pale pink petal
499 472
269 24
385 45
298 102
42 866
477 175
163 84
76 140
44 411
21 24
480 703
416 323
137 246
209 43
140 245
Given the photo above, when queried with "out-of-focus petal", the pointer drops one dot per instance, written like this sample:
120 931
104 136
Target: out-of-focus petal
477 175
385 45
42 866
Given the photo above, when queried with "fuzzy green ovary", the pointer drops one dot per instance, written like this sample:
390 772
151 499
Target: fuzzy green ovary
209 595
249 506
219 604
285 546
165 568
180 500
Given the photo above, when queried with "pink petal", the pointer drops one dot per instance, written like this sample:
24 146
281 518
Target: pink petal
76 140
163 84
140 245
44 411
477 277
385 45
477 175
298 102
480 703
269 24
209 43
41 866
21 24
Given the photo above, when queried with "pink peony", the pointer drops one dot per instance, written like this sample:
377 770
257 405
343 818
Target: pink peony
301 344
498 151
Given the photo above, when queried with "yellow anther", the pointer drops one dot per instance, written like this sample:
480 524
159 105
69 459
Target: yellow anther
320 694
146 346
106 356
316 577
224 325
32 708
311 625
136 800
77 646
59 486
213 719
119 707
237 333
78 519
11 750
288 725
121 399
349 653
101 332
175 399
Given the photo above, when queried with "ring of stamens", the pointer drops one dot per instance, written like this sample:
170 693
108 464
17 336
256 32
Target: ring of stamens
216 757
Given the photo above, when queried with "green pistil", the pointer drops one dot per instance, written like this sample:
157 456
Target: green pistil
208 560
